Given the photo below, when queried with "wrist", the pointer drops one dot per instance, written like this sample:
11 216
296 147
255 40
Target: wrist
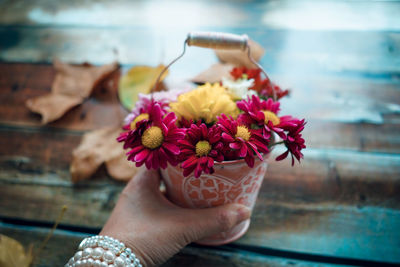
133 245
103 251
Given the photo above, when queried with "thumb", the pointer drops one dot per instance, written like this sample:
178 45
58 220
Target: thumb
202 223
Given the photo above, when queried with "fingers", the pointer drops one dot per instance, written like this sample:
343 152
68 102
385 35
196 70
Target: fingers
202 223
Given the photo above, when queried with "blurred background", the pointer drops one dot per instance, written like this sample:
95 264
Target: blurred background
301 38
341 60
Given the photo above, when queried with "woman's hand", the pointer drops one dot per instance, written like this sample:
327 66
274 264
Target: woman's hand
155 229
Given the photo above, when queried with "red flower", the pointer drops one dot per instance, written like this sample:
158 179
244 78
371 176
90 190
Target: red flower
264 87
264 114
294 142
243 140
153 141
200 148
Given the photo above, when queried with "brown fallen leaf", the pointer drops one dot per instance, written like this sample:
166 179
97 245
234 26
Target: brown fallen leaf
240 58
12 253
52 106
71 86
213 74
98 147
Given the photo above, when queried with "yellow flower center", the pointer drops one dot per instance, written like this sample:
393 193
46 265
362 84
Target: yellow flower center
270 116
152 137
140 117
242 132
202 148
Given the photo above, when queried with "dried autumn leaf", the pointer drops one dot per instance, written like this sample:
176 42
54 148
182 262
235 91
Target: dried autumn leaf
240 58
213 74
52 106
139 79
72 84
98 147
12 253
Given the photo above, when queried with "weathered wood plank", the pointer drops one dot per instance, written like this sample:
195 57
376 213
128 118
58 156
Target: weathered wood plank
19 82
289 14
38 152
288 52
63 245
336 196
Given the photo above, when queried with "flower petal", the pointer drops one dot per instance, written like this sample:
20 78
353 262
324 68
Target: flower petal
142 155
171 147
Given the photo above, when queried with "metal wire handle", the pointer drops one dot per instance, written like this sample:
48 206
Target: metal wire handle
216 40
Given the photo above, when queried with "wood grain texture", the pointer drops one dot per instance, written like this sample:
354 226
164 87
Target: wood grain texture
19 82
330 195
63 245
288 52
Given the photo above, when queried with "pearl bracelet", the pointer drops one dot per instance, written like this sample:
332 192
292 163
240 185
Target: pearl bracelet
103 251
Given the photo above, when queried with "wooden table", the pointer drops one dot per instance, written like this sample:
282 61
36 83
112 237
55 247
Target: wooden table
341 205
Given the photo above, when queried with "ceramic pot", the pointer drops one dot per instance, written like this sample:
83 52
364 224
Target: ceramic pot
232 182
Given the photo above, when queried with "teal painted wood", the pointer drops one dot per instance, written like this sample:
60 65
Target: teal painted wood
290 14
64 243
351 37
288 52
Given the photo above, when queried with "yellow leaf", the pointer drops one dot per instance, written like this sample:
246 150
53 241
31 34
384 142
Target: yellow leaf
139 79
12 253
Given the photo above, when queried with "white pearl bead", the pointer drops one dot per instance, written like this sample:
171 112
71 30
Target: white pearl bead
103 264
97 263
77 256
119 262
111 265
84 263
78 263
87 252
97 253
90 262
108 256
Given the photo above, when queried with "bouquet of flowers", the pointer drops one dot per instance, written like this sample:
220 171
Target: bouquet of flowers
237 118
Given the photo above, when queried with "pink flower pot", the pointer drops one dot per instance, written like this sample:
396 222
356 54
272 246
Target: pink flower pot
232 182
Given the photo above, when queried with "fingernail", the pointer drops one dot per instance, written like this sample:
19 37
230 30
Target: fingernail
243 213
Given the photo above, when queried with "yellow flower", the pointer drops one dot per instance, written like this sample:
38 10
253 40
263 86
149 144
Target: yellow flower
206 102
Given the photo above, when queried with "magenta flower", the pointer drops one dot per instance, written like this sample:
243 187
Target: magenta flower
153 141
201 147
294 142
264 114
242 139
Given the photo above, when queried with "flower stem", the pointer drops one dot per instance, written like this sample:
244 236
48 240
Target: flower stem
277 143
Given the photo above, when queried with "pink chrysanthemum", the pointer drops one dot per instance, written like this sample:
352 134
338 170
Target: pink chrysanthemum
147 112
264 114
153 141
242 139
201 147
294 142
